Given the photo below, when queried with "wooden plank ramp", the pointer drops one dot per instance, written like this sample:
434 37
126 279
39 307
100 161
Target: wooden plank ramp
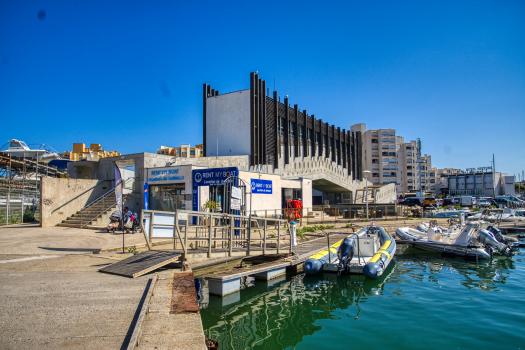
302 252
142 263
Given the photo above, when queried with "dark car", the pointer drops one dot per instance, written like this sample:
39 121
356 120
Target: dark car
412 202
448 201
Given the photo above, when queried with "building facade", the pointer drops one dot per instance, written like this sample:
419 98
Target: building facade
282 139
94 152
184 151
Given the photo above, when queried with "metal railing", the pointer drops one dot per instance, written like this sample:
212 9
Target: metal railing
216 232
106 204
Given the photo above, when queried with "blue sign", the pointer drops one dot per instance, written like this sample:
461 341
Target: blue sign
146 196
261 186
209 177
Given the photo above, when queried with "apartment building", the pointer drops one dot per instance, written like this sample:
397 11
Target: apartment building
380 153
392 160
184 151
94 152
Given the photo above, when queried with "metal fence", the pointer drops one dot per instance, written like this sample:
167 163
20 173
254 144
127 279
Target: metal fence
216 232
332 214
18 208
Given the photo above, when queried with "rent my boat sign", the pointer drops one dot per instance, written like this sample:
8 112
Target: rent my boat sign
261 186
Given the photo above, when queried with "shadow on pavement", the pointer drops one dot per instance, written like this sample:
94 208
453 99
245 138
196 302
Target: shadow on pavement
70 249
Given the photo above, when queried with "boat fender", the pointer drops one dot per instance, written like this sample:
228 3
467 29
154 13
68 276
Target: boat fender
312 266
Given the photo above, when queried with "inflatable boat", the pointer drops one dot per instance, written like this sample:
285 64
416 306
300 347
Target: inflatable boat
472 242
367 252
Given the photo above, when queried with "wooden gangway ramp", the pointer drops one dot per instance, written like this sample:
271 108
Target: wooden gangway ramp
142 263
301 252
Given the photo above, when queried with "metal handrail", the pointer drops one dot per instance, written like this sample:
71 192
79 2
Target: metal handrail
98 200
105 194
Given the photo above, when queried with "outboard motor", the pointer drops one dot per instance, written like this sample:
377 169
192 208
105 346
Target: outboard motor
487 239
497 234
346 253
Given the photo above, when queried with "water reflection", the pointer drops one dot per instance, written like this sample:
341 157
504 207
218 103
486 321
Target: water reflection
278 314
485 275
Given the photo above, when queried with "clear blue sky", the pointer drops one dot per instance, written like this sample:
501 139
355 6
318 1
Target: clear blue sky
129 74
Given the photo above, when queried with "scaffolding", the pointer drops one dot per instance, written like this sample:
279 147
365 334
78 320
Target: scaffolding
20 180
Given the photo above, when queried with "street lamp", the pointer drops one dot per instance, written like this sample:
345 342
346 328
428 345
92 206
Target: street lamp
366 172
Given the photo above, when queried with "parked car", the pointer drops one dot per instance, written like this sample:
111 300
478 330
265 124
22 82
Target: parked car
448 201
467 201
412 201
429 202
457 200
439 202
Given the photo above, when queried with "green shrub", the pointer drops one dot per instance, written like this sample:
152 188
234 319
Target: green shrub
348 225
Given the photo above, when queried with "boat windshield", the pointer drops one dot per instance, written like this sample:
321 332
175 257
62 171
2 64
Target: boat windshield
18 144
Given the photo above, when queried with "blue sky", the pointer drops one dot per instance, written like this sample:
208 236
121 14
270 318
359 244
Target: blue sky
129 74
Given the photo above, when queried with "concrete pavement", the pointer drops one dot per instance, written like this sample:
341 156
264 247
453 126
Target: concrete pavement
64 303
31 239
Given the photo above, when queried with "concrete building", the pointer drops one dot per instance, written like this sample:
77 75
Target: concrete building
185 151
283 140
81 152
391 160
479 182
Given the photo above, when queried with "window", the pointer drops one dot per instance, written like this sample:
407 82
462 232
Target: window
409 161
393 167
385 160
309 134
281 126
409 154
384 133
375 174
375 141
408 147
410 167
375 161
384 140
325 140
301 132
317 137
192 152
375 148
292 130
409 174
384 147
375 167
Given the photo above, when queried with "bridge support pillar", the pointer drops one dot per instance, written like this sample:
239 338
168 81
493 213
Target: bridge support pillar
270 274
223 288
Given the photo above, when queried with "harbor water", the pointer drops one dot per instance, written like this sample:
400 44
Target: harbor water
423 301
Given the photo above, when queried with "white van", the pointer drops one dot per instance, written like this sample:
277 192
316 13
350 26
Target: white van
466 201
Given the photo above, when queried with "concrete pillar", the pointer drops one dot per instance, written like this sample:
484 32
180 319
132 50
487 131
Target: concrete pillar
223 288
270 274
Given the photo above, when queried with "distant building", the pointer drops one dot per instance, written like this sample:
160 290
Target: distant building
478 182
392 160
184 151
94 152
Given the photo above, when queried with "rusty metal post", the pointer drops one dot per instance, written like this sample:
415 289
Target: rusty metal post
279 240
209 235
230 248
264 238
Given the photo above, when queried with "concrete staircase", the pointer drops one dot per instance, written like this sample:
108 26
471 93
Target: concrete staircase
95 216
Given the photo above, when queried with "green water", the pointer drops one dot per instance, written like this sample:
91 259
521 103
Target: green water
423 301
